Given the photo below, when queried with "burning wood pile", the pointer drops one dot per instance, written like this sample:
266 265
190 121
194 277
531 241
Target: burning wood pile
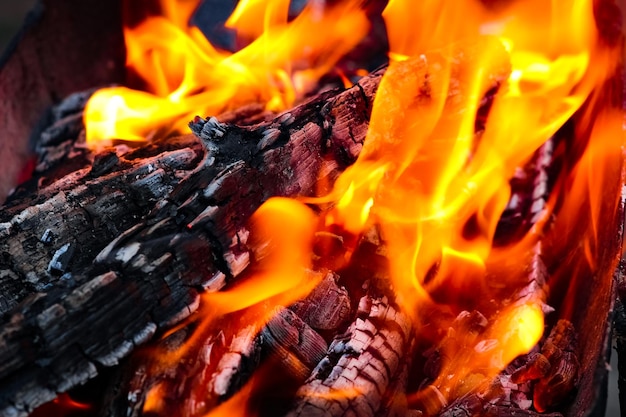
435 237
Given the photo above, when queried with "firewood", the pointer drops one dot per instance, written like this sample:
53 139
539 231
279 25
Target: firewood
151 227
149 216
327 307
360 366
293 343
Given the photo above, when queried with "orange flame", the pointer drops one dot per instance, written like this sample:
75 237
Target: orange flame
436 187
281 276
185 75
434 184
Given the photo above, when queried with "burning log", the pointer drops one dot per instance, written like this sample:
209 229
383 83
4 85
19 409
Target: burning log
173 210
361 365
188 201
176 226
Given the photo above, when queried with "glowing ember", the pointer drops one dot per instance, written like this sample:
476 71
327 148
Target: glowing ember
185 75
63 405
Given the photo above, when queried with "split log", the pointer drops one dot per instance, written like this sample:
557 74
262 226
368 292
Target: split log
359 374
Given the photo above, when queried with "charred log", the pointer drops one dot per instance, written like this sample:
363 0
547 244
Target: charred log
324 315
189 235
148 229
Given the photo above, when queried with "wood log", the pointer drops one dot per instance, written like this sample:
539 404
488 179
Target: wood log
152 227
363 366
148 232
211 132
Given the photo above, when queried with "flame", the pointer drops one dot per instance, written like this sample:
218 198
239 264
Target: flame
185 75
433 180
435 185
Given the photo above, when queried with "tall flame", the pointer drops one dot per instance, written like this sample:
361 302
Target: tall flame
431 176
436 186
185 75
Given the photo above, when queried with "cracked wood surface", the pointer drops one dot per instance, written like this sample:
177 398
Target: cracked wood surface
361 364
173 234
147 233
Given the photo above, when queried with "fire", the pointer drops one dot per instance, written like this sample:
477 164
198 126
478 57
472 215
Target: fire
432 178
436 185
185 75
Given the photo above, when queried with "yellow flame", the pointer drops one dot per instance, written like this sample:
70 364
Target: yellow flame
441 186
185 75
430 177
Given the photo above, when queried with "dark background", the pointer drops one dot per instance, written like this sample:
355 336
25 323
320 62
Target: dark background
12 14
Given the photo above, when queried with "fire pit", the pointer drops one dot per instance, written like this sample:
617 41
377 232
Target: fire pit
433 237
